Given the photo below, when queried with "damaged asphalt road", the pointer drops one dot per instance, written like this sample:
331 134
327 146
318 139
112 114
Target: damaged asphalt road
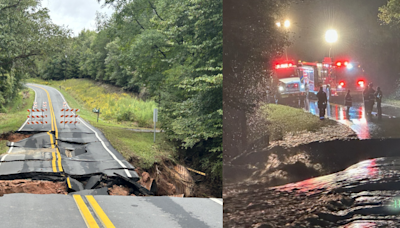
83 160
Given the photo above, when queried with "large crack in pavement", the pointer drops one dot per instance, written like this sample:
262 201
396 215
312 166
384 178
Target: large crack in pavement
31 166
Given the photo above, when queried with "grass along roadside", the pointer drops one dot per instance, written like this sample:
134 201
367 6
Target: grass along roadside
284 119
15 114
136 147
391 101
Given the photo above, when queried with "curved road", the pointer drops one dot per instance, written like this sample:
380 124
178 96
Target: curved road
80 150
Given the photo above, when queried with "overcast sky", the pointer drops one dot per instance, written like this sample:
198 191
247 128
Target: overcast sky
76 14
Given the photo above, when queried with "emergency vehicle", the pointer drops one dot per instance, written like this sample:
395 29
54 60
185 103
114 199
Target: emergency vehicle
293 80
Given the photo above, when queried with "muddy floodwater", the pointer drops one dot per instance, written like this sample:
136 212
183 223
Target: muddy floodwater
341 183
366 194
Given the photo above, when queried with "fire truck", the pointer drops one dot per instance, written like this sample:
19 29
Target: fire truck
294 80
290 80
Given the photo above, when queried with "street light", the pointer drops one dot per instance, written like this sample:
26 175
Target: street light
286 24
331 36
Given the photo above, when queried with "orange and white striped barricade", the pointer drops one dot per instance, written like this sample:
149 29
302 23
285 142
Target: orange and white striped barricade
69 115
34 114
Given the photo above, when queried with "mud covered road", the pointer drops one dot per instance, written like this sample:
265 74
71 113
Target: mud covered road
363 195
84 169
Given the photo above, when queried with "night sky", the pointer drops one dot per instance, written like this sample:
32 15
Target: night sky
361 38
354 21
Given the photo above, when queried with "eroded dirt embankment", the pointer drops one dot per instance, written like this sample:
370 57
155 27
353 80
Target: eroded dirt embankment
14 137
32 187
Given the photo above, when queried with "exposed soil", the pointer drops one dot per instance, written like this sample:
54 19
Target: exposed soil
170 179
14 137
119 191
32 187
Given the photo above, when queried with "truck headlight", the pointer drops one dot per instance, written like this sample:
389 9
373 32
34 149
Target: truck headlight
280 88
302 86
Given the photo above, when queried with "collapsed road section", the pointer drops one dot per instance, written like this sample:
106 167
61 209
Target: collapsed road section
72 160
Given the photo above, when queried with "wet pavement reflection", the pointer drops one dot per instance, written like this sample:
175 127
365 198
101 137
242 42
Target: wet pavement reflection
356 119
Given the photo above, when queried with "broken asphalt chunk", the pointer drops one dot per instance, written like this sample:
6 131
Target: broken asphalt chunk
74 185
135 185
93 182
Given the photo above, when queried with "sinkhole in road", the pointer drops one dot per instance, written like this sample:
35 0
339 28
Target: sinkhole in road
32 167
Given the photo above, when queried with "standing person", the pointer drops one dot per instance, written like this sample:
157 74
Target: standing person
322 101
378 98
306 89
371 98
366 100
328 91
348 102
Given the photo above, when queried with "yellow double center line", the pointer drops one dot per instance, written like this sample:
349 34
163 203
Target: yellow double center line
56 161
88 217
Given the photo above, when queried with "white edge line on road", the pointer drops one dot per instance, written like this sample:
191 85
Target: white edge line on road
216 200
23 125
104 145
11 147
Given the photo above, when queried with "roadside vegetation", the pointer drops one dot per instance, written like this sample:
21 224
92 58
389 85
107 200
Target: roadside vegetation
14 114
284 119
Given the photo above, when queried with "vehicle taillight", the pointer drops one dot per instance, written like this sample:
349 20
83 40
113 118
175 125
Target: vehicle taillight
338 64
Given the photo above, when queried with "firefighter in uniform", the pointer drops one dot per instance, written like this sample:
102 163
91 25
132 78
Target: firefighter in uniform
348 102
378 98
322 102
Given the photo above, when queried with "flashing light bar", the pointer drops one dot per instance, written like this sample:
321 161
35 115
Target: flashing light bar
283 65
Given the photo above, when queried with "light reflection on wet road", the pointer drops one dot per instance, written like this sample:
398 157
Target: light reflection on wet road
365 128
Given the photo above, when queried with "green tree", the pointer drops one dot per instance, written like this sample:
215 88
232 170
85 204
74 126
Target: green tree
26 33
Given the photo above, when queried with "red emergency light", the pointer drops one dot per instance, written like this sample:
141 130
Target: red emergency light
283 65
340 63
341 83
361 83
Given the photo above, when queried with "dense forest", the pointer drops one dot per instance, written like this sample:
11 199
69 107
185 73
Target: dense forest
169 50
